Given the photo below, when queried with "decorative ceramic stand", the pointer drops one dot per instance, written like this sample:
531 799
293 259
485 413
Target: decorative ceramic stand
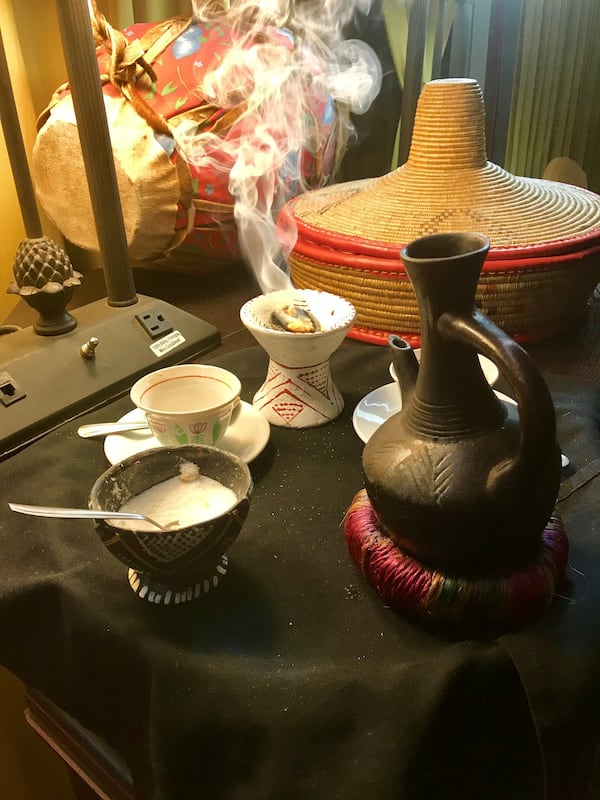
299 396
298 391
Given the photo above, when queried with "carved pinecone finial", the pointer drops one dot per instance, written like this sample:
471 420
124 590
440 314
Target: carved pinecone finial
40 265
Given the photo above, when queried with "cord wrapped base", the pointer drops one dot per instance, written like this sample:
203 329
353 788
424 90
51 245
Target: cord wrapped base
505 600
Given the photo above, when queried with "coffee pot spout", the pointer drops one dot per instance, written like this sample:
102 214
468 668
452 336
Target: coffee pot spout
405 364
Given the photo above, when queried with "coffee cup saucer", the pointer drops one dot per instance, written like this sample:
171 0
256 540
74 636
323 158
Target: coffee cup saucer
247 437
380 404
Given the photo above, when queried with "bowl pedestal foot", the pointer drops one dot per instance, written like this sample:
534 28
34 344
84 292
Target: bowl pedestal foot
153 591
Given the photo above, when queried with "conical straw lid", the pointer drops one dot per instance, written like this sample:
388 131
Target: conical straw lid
447 184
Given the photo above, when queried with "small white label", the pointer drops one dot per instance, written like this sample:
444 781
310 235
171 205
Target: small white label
167 343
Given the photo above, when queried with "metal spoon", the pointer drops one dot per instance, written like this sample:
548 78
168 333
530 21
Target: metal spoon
80 513
106 428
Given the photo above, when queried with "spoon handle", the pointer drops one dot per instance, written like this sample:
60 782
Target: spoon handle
106 428
78 513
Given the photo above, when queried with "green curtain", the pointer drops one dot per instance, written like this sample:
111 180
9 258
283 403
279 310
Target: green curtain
439 23
556 109
440 14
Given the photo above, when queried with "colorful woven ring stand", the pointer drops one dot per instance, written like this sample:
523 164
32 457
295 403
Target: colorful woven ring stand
505 600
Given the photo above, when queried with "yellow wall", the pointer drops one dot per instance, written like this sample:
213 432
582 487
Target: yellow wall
12 230
36 68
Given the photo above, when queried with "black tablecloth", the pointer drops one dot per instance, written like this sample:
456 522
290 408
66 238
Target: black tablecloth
292 679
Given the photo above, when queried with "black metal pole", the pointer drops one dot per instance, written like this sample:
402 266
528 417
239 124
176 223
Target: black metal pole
86 89
16 152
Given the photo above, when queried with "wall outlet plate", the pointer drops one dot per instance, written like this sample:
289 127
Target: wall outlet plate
154 322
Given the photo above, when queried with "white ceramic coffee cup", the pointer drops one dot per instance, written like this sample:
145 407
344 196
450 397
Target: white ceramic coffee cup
188 403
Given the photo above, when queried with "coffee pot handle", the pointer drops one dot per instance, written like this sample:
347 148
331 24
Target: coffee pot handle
527 387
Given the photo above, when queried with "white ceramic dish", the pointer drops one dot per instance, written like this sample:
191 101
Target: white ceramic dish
381 404
489 369
247 437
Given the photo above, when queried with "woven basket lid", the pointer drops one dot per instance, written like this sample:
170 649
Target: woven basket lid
447 184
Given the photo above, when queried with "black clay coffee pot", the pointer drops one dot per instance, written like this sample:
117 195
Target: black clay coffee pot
458 478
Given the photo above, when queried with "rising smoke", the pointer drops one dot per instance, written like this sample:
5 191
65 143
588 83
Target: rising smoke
289 59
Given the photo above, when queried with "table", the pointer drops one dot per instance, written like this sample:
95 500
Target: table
293 680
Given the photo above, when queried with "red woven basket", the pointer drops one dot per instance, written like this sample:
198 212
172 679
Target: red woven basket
544 260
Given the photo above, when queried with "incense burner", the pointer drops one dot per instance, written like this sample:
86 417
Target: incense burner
298 391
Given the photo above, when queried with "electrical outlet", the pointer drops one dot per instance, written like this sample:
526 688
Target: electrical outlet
154 323
10 391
